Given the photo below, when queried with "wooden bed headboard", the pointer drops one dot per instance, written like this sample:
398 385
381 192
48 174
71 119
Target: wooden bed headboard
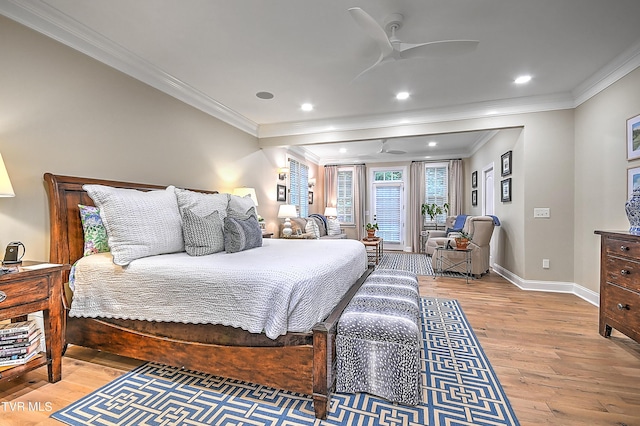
65 193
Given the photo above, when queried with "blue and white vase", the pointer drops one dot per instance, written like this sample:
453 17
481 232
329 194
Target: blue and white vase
632 208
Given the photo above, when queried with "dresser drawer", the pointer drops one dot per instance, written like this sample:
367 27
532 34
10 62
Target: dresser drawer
21 292
623 272
622 307
621 247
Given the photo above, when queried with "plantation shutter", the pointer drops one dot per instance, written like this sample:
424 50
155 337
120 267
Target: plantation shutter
436 187
299 186
345 196
388 199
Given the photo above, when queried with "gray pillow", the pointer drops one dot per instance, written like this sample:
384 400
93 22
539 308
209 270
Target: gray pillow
202 235
138 223
241 234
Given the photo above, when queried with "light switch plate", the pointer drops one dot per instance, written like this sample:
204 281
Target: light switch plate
541 212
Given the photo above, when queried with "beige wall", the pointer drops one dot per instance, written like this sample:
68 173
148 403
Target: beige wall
601 171
64 113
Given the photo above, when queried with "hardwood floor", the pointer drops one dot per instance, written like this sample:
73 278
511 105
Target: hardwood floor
545 347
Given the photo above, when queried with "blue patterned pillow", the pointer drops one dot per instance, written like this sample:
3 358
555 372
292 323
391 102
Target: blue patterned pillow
95 234
241 234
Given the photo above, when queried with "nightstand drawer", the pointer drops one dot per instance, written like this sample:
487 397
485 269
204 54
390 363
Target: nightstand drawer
22 292
623 272
621 247
622 307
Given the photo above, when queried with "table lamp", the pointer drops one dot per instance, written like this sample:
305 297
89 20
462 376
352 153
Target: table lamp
286 212
331 212
6 190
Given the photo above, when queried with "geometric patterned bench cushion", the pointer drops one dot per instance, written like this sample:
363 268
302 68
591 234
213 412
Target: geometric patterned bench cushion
378 339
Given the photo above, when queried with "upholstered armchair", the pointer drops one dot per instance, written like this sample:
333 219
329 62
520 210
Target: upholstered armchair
480 229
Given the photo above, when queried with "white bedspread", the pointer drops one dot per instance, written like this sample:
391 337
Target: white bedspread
286 285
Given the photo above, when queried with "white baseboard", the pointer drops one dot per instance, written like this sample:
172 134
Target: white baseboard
550 286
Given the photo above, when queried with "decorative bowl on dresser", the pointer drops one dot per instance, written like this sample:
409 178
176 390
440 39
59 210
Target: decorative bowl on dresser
620 283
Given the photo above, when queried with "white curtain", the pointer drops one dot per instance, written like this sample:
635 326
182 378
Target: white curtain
330 186
416 199
359 198
456 200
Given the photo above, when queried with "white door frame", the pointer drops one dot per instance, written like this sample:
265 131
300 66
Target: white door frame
403 214
489 197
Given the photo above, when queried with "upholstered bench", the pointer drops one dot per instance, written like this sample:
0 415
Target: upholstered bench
378 340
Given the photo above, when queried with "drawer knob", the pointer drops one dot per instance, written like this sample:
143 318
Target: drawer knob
625 272
624 248
3 296
622 307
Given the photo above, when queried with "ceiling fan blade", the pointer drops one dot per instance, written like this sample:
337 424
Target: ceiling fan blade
437 48
373 30
380 60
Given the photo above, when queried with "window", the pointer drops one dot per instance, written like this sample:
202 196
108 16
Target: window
345 196
299 186
437 186
388 201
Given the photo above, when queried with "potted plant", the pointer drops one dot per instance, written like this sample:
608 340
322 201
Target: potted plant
462 240
433 210
371 229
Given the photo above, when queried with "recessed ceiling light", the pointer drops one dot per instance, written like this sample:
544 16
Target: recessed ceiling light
343 150
265 95
427 156
523 79
306 107
433 143
401 96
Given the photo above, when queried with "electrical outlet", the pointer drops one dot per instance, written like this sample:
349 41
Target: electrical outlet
545 263
541 212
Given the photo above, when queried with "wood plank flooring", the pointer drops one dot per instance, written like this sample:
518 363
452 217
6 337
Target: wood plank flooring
545 347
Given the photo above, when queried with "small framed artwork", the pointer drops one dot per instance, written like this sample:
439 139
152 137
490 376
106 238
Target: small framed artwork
310 197
281 193
474 197
505 161
633 137
474 179
633 180
505 195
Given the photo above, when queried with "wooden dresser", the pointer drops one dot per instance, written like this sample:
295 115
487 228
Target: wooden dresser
620 283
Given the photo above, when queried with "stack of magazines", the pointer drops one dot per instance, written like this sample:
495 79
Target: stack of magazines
19 342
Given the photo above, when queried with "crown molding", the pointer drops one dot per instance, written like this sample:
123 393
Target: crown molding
58 26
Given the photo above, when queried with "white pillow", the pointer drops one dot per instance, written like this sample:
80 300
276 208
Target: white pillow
312 228
333 227
241 207
138 223
202 204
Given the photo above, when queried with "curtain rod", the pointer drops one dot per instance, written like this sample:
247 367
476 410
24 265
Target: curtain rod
331 165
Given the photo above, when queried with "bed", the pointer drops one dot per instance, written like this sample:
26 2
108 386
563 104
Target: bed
298 361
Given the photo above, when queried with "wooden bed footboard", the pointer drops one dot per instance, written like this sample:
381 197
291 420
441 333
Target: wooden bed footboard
299 362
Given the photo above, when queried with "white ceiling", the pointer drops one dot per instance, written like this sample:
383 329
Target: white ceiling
217 54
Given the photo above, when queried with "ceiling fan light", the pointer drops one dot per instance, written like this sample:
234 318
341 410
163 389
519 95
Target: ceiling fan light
401 96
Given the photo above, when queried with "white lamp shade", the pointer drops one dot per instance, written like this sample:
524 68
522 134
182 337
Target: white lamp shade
331 212
243 192
287 210
6 190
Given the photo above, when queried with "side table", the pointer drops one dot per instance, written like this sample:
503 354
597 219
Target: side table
377 245
461 258
31 287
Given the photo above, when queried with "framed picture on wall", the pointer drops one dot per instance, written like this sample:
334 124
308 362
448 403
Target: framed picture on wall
505 161
633 180
474 197
633 137
281 193
474 179
505 193
310 197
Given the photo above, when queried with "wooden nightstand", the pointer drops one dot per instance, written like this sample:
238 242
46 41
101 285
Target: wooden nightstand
36 286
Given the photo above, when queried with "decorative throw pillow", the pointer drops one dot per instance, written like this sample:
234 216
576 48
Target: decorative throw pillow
312 228
241 207
241 234
95 234
202 204
138 223
333 227
202 235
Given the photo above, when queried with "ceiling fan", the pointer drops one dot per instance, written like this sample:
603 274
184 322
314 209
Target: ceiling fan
384 149
393 49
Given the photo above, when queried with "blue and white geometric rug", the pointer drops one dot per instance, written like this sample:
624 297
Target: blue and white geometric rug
418 263
459 387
